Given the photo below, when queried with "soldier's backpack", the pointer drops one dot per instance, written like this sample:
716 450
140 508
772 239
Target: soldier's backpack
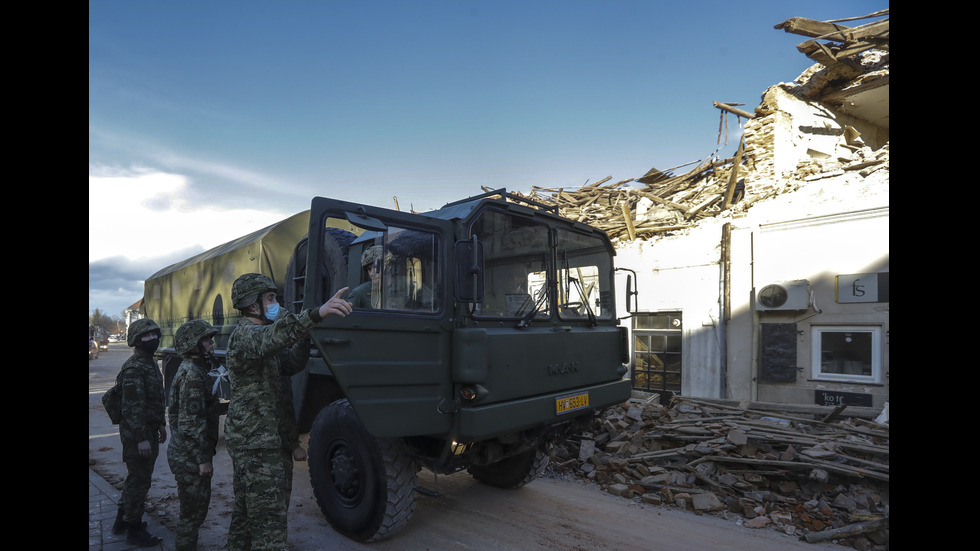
112 400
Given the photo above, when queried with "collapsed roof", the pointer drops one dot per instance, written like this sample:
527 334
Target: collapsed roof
832 120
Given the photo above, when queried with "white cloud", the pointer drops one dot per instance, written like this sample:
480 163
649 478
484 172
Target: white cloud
140 213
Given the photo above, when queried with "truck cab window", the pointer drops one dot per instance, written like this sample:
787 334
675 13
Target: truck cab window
584 275
516 263
399 270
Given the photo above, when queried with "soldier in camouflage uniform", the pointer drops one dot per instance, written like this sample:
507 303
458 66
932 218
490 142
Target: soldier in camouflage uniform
362 295
142 429
256 361
292 450
193 412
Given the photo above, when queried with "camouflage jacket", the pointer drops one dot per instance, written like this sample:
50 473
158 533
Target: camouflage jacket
193 413
255 364
142 402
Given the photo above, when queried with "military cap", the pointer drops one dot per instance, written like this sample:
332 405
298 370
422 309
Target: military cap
373 254
247 288
139 328
191 333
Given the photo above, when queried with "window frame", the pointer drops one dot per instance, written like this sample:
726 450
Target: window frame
816 353
603 308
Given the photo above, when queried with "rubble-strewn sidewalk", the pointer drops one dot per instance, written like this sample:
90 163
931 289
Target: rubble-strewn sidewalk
821 479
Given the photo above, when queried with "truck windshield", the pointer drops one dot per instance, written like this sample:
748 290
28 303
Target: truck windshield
516 252
584 268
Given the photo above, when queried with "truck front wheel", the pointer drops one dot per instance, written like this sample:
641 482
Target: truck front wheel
511 472
365 486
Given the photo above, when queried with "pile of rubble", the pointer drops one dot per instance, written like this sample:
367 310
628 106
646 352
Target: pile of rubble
668 203
820 480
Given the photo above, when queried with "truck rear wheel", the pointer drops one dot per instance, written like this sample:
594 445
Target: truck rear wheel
511 472
365 486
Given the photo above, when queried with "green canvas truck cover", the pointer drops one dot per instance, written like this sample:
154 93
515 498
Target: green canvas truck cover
200 287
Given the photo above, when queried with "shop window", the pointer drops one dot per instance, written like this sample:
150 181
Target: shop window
847 353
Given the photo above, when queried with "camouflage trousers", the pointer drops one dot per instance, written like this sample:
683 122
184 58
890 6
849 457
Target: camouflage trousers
136 487
258 519
194 493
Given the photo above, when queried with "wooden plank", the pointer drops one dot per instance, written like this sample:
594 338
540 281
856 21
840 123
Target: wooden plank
832 31
846 531
629 221
660 200
734 175
730 109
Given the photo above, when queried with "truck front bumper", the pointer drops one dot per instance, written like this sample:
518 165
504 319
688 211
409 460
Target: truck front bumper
488 421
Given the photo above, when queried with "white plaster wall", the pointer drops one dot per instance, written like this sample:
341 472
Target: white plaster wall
828 227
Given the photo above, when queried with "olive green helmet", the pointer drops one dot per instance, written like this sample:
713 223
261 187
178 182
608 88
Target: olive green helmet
373 254
248 287
370 255
191 333
139 328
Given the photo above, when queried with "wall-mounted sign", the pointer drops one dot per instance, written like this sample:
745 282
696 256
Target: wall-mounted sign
862 287
836 398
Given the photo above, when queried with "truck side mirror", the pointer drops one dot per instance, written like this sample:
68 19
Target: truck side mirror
469 271
630 293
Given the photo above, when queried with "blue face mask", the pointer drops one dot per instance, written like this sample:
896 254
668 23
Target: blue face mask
272 311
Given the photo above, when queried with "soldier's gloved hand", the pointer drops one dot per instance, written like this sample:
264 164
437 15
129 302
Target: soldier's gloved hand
144 448
163 434
205 469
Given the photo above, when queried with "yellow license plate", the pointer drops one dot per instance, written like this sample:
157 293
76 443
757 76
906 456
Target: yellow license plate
566 404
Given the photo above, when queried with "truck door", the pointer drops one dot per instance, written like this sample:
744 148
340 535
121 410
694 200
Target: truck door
391 355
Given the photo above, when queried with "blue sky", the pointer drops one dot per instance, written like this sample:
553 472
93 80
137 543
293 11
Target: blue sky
209 120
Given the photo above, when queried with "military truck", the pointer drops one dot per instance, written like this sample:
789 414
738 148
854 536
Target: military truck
489 334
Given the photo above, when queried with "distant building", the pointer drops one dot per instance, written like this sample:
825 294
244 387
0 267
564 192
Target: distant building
133 313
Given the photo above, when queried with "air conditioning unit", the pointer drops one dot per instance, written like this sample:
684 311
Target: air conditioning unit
784 295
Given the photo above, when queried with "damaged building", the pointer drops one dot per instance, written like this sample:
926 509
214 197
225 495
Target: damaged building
759 323
764 278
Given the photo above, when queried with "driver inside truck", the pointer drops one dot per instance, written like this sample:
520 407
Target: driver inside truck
366 295
394 283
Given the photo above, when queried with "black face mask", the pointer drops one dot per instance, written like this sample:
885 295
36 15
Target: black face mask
150 345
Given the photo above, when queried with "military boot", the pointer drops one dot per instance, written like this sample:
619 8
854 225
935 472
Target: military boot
120 525
140 537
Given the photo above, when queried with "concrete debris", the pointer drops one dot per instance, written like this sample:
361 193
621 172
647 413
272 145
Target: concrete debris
807 477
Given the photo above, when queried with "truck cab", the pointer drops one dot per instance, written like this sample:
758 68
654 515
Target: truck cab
489 333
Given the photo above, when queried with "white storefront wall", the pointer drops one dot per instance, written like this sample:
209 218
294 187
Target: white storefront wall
721 360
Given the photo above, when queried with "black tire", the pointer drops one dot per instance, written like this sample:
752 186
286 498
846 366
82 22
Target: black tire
365 486
511 472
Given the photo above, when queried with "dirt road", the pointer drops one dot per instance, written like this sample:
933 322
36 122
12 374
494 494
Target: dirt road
549 513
